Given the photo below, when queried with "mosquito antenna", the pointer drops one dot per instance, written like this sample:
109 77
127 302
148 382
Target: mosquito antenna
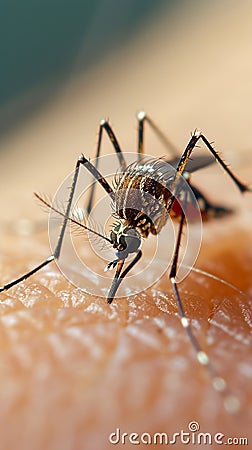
79 215
48 205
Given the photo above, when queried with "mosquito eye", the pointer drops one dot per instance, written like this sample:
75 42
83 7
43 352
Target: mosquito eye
133 241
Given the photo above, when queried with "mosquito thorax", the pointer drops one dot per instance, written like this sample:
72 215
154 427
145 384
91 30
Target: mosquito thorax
125 239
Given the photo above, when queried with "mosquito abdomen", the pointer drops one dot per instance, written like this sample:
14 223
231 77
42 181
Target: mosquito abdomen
141 197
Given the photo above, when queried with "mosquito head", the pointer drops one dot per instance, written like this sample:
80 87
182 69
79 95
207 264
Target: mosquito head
125 239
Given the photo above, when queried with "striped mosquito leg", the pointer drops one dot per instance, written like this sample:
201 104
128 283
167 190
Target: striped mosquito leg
56 254
97 175
243 187
68 209
27 275
231 403
58 247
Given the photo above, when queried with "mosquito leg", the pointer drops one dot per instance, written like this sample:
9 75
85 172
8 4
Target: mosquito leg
56 254
231 403
27 275
57 250
191 146
97 175
118 278
92 169
104 125
142 117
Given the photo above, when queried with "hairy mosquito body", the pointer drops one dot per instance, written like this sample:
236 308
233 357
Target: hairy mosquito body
145 194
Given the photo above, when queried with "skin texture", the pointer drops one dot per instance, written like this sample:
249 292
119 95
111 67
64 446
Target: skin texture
72 368
75 368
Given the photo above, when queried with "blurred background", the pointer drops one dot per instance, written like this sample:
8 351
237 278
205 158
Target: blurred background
65 65
45 42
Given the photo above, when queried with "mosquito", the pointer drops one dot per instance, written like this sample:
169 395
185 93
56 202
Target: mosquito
135 216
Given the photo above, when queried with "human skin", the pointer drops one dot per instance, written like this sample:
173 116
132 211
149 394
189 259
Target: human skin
73 368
